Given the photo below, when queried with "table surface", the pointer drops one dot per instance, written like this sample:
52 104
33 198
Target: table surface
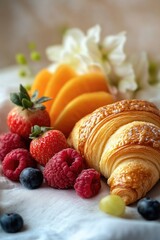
54 214
51 214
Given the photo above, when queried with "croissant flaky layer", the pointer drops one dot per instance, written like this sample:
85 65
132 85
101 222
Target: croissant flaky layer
122 142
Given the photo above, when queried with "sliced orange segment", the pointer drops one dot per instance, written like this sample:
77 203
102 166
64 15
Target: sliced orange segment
40 82
79 107
61 75
90 82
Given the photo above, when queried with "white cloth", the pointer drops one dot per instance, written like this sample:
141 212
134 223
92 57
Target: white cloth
51 214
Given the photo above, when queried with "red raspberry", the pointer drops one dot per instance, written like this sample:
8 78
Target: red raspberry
63 168
10 141
88 183
15 161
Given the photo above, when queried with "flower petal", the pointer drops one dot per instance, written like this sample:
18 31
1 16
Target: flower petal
54 53
114 45
93 34
150 93
126 76
141 65
70 45
75 33
93 51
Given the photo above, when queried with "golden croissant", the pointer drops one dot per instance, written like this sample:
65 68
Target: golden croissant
122 142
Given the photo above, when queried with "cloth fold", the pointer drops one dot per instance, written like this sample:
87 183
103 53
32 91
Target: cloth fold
52 214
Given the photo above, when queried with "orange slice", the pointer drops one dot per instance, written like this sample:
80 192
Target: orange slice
40 82
86 83
61 75
79 107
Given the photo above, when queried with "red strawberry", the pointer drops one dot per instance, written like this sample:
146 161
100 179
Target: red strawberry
28 113
47 143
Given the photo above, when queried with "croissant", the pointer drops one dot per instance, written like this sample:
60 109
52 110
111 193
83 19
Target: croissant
122 142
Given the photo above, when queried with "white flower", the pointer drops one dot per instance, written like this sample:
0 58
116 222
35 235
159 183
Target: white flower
140 65
73 50
147 81
113 46
122 73
138 78
108 53
128 75
150 93
83 51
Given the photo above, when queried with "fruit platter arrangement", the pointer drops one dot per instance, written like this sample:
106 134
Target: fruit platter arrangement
80 144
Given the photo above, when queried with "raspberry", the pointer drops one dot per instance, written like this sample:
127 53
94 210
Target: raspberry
15 161
88 183
63 168
10 141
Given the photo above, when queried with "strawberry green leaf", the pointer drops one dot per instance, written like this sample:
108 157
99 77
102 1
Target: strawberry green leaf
34 96
24 100
26 103
42 99
24 92
15 99
37 131
22 96
37 107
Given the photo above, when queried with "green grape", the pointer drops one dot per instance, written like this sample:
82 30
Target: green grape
35 56
113 205
21 59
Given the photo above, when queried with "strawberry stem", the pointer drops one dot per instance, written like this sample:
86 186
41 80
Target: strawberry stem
37 131
24 100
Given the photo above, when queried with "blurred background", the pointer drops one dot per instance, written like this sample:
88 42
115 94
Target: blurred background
44 21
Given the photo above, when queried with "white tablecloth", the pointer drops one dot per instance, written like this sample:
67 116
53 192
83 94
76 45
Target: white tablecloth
51 214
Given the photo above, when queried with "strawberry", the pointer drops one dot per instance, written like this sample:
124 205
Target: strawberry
28 112
46 142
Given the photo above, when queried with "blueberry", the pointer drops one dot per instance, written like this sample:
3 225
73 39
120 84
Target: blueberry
11 222
31 178
149 208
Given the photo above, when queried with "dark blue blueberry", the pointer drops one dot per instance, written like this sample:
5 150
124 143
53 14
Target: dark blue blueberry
31 178
149 208
11 222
